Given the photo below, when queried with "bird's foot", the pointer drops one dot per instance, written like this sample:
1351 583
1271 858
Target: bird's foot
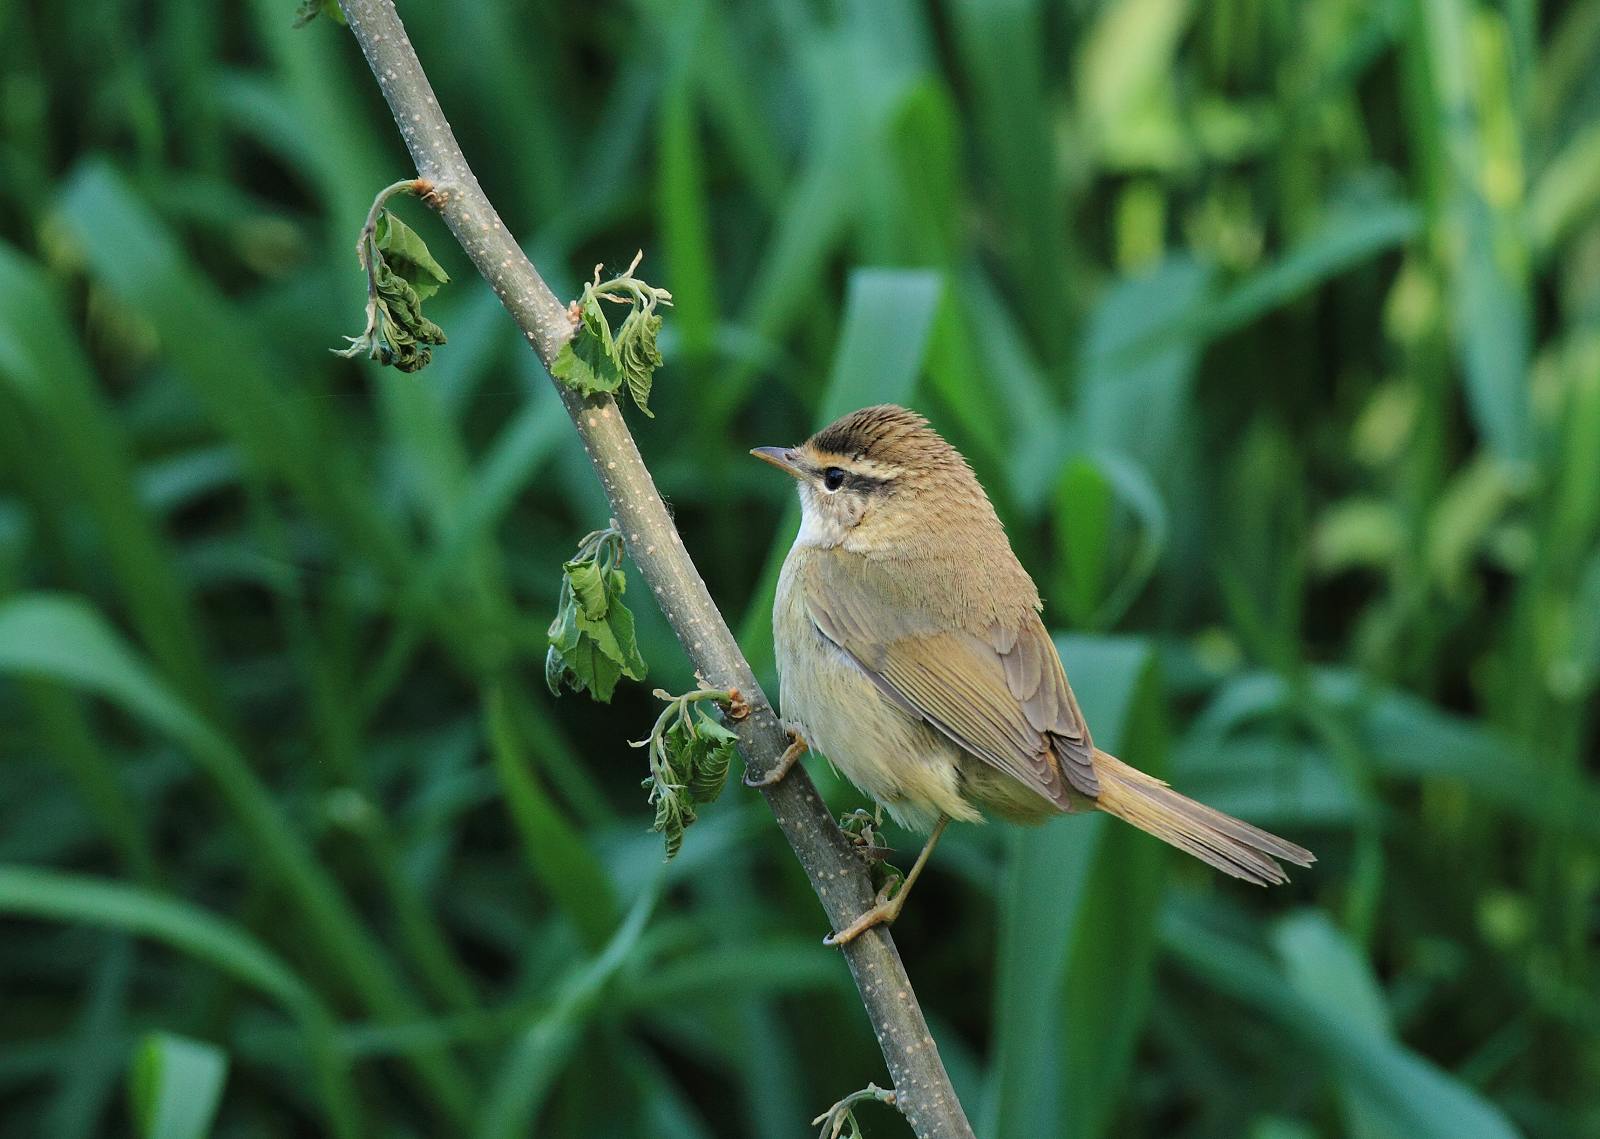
884 910
887 907
791 756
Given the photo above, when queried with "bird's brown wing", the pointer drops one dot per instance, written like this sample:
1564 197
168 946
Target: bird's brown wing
1034 675
1000 695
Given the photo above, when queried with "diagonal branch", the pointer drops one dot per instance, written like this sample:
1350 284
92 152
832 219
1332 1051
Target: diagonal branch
922 1088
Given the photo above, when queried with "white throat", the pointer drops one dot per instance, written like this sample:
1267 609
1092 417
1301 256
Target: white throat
817 527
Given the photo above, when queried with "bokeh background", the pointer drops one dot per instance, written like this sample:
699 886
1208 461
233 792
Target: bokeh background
1272 327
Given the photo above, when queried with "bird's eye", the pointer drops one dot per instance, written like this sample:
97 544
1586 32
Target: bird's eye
833 478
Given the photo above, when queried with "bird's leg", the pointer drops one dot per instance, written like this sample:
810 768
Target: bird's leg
888 908
791 756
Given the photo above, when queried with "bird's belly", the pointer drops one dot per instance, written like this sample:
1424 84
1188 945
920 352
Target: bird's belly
893 757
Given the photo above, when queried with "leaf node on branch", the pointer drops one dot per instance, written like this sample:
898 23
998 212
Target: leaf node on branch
597 359
401 274
690 754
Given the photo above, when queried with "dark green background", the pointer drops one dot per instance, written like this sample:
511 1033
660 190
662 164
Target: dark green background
1273 329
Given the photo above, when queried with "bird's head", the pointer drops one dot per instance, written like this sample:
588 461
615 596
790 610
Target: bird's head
878 481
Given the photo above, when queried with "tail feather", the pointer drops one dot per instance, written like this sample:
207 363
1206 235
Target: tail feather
1232 846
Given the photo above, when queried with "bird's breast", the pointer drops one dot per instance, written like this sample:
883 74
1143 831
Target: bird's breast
891 755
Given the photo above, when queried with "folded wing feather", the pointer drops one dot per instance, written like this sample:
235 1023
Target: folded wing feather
1000 695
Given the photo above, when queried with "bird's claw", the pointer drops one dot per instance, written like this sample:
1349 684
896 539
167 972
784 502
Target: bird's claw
791 756
885 909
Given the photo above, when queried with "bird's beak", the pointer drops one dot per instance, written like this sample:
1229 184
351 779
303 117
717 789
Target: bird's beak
786 459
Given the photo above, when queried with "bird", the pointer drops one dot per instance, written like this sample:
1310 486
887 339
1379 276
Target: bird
912 652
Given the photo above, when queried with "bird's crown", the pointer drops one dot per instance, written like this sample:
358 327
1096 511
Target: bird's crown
886 436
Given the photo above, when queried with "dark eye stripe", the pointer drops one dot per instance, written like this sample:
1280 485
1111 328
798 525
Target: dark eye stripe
852 480
866 484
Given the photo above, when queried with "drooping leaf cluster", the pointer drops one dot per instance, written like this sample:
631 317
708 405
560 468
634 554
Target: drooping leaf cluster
598 359
401 274
592 642
690 754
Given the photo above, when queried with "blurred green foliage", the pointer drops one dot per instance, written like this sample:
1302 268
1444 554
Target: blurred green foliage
1273 328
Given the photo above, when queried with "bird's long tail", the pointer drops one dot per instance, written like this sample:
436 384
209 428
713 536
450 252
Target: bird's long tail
1232 846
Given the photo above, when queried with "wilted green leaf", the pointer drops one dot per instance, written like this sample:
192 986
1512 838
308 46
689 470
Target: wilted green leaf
401 274
596 360
674 813
709 771
619 633
638 354
576 661
690 754
592 642
587 362
406 338
407 255
588 588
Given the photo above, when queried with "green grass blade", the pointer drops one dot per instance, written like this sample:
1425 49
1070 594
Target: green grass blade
813 220
1326 970
1486 255
540 1051
175 1086
871 367
684 212
1566 193
1141 406
1083 521
1075 961
514 58
53 896
1352 233
322 81
67 733
555 849
1037 433
63 638
1110 968
224 357
1409 737
1412 1095
1001 47
92 1067
60 638
920 218
40 359
667 1110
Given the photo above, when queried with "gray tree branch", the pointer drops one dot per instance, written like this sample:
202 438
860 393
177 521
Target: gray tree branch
839 877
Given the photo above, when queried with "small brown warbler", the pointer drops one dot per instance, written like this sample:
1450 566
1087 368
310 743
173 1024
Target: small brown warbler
912 653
